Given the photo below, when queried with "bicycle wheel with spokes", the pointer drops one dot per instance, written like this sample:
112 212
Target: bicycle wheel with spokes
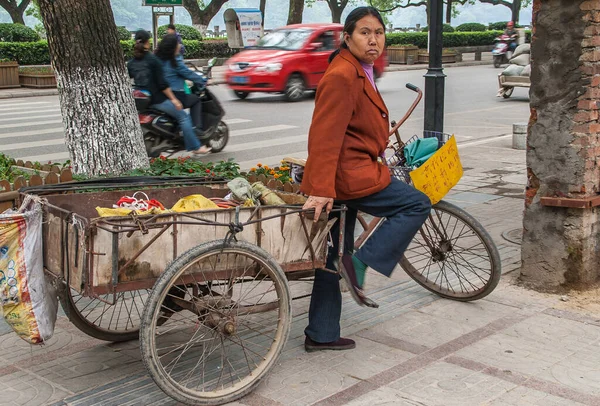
110 318
453 256
215 323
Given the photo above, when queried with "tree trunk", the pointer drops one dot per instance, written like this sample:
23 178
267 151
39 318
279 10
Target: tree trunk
295 13
102 131
516 11
201 18
263 5
14 10
337 8
449 12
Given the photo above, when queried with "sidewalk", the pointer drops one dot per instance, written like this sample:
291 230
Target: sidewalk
515 347
219 73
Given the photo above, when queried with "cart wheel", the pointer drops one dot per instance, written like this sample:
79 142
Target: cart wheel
117 322
508 92
216 321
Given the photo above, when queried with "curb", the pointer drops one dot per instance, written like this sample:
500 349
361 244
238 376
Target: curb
17 95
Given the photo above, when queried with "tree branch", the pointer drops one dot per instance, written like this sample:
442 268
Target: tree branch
409 4
497 2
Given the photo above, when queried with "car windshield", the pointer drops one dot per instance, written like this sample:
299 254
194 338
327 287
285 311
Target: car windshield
290 40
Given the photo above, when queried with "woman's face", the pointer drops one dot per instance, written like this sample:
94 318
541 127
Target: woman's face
368 39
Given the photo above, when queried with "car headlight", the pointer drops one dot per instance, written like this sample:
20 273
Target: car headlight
270 67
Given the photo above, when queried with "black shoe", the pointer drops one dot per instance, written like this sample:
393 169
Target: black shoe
339 345
349 275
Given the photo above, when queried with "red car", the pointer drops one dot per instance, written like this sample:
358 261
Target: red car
288 60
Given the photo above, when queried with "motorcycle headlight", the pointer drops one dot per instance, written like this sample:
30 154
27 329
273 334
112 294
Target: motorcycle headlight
270 67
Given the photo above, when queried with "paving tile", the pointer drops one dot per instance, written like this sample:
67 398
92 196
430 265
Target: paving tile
444 384
527 397
22 388
384 396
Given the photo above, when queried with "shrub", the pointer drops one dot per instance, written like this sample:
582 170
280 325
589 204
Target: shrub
124 34
445 28
17 33
186 32
26 53
471 27
450 39
501 25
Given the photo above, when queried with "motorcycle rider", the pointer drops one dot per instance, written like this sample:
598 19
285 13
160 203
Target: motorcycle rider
175 71
512 33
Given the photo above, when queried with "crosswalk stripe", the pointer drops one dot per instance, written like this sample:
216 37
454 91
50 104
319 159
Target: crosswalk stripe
265 144
17 101
55 130
28 113
46 157
33 144
259 130
13 107
236 121
29 122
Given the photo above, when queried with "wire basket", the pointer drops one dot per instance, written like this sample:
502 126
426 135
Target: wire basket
397 162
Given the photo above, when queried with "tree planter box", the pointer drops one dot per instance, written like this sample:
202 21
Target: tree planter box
37 81
9 75
446 58
400 54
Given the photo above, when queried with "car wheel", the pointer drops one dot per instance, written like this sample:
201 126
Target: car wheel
241 95
295 87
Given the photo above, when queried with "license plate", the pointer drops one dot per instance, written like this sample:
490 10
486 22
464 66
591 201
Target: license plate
239 79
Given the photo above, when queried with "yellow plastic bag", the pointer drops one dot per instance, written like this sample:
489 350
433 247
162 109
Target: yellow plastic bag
121 211
193 203
440 173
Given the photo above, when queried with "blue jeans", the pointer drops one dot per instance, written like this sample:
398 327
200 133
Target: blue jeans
405 210
185 122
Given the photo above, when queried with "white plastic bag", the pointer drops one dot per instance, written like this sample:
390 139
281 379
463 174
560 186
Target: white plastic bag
513 70
522 49
29 302
521 60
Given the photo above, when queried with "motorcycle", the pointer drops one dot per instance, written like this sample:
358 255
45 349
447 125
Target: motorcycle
162 133
501 51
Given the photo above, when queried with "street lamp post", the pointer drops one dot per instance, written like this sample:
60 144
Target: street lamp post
435 77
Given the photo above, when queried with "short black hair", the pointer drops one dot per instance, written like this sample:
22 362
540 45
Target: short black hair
172 27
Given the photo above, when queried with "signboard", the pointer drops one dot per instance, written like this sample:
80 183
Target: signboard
163 11
244 26
162 3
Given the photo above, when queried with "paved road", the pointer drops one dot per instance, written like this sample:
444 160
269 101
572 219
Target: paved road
265 128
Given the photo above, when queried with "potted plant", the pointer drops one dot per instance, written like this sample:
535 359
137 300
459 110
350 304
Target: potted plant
37 76
402 53
448 56
9 73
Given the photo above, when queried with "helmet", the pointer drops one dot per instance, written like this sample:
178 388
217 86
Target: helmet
510 24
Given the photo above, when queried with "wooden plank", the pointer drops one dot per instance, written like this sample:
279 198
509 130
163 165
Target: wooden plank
287 187
36 180
66 175
52 178
5 186
19 183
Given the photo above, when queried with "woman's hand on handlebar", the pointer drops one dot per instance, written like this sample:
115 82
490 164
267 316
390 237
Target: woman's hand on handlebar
318 203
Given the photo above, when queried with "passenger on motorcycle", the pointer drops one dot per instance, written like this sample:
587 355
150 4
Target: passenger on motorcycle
513 34
175 71
147 73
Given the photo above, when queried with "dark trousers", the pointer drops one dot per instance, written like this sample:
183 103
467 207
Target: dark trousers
405 210
192 102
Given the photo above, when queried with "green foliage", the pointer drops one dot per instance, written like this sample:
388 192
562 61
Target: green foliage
185 166
450 39
501 25
471 27
40 70
17 33
26 53
7 172
124 34
445 28
186 32
207 49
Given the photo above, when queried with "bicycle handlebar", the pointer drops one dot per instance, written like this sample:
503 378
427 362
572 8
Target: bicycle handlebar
412 108
412 87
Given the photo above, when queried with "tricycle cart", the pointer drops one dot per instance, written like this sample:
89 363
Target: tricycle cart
507 84
205 291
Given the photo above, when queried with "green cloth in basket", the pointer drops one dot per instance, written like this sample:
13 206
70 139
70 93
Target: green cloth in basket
419 151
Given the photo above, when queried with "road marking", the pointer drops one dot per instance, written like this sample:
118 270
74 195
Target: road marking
236 121
28 113
265 144
31 124
18 101
33 144
26 118
2 109
485 141
55 130
259 130
47 157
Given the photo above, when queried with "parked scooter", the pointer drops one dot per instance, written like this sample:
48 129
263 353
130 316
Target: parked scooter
162 132
501 51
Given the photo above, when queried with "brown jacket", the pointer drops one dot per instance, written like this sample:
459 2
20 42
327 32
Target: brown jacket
349 131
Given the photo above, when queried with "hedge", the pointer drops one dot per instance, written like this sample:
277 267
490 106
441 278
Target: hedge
17 33
451 39
445 28
186 32
471 27
36 53
124 34
501 25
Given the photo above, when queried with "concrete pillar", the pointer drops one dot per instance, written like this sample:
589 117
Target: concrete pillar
561 246
519 136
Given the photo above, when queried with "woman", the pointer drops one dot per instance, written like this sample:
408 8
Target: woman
349 132
176 73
